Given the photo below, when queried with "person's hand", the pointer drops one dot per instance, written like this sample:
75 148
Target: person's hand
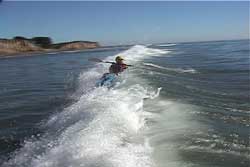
124 66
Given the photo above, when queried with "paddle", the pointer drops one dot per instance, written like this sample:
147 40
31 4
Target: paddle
101 61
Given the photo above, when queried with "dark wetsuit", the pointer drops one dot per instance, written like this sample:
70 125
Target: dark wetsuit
117 68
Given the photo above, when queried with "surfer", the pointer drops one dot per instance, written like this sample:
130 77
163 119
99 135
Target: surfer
118 66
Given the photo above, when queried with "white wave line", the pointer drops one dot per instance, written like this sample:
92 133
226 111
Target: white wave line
180 70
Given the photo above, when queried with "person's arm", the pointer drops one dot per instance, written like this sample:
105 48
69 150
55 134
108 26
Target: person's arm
111 70
124 66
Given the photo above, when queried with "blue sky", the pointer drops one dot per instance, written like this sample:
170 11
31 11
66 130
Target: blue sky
126 22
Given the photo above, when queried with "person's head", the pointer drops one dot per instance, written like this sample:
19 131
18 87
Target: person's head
119 60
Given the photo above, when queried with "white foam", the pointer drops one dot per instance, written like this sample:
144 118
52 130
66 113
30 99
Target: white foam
102 128
139 52
106 127
172 124
173 44
179 70
98 130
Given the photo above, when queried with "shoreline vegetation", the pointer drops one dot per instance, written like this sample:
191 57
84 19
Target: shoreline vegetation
21 46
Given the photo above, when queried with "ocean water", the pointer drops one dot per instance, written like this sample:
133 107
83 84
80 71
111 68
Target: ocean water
180 105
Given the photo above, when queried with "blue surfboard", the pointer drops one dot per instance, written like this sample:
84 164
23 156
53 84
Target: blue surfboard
107 80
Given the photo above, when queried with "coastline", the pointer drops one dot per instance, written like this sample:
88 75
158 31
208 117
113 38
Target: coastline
21 46
37 53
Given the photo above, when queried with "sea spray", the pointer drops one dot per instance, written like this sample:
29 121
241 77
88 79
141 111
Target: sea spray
103 127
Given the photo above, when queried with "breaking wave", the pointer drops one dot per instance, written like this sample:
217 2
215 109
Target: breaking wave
117 127
102 128
179 70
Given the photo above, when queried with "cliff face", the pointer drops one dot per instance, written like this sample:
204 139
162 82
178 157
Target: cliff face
76 45
40 44
12 46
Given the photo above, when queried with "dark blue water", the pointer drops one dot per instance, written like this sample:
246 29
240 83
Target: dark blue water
202 112
220 87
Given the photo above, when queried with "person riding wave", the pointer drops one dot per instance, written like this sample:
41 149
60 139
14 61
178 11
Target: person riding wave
118 66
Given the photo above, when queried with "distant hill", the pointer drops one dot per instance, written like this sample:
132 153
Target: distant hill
75 45
20 45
